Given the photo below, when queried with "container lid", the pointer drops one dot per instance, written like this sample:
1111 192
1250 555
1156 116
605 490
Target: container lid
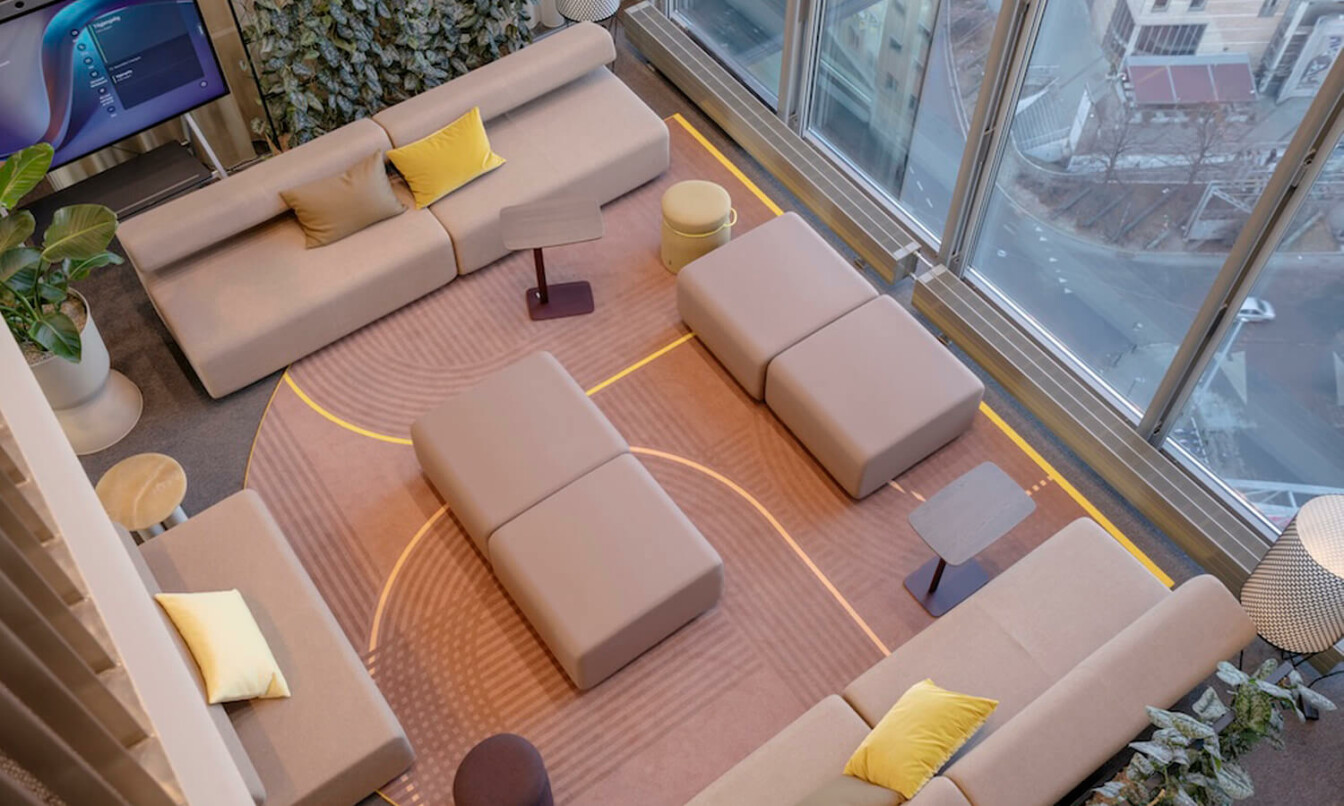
696 206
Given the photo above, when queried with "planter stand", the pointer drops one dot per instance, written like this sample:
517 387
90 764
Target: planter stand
95 406
101 421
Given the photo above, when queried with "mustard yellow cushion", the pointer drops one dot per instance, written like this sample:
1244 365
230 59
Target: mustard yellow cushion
333 207
229 649
447 159
925 727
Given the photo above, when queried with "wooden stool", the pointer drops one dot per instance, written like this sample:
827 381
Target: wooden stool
144 494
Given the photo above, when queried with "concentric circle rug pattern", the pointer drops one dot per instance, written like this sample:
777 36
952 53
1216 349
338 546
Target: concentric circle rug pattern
813 593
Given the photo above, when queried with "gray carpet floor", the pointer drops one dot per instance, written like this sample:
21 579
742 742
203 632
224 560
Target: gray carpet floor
212 440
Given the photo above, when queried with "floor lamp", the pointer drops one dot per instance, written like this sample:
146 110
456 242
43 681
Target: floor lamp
1295 596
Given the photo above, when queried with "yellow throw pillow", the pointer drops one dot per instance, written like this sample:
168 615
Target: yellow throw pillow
447 159
229 649
925 727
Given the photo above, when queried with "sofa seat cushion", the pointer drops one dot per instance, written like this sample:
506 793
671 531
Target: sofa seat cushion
335 740
846 790
1023 631
253 304
803 757
517 436
761 293
1099 706
591 138
606 568
218 715
869 415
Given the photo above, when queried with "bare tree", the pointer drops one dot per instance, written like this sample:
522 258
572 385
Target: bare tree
1206 137
1117 135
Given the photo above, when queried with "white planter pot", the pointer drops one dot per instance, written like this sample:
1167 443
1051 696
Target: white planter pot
95 406
549 16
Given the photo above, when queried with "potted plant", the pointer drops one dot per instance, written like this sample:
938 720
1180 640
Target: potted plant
52 322
1192 760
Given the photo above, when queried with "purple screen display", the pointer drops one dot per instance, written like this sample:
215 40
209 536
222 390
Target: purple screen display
83 74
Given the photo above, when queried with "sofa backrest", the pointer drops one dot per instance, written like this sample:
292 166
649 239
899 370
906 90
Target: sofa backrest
503 84
159 238
1092 712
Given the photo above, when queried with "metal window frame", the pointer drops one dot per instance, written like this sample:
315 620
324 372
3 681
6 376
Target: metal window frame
1288 187
1010 50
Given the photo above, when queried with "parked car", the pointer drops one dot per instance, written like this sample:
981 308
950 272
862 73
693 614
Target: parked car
1255 309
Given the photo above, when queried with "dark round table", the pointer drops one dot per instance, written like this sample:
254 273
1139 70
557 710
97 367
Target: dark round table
503 770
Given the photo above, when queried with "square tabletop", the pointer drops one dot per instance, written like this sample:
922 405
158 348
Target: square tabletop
965 517
555 221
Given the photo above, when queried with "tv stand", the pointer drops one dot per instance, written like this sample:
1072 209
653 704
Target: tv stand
132 186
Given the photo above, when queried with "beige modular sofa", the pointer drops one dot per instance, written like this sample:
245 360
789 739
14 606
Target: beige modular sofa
226 266
592 549
335 740
856 378
1073 641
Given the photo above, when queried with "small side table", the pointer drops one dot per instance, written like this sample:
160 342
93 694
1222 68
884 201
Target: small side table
958 522
144 494
553 222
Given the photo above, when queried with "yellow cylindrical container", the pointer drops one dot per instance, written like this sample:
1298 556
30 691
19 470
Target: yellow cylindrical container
697 217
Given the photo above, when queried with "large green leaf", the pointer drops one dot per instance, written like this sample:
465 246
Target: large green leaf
22 171
15 260
79 269
78 232
15 229
58 334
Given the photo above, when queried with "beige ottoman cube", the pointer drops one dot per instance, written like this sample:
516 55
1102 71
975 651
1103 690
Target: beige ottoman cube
606 568
698 218
872 394
514 438
755 297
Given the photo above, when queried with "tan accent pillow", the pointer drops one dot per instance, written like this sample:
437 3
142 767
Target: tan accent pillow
331 208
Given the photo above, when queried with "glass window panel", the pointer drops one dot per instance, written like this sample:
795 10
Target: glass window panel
895 85
747 35
1127 175
1268 415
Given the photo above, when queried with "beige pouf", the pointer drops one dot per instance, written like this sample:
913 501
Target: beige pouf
698 216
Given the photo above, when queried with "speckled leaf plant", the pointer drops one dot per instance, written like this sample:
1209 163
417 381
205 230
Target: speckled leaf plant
324 63
1187 762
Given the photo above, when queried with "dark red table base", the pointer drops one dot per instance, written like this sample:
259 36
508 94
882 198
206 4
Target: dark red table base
562 299
548 301
940 592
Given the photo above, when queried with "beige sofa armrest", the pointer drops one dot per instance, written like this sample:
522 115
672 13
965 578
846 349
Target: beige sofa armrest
502 85
1094 710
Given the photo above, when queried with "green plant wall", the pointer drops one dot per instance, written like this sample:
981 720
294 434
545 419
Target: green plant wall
324 63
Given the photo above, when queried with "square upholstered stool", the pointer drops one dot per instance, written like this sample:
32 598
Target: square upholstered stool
754 297
606 568
514 438
872 394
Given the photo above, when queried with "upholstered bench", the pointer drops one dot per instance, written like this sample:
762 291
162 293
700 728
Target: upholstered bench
756 296
861 384
606 568
597 556
506 443
872 394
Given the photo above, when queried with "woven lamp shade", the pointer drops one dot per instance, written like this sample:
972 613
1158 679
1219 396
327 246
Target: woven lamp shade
1295 596
587 10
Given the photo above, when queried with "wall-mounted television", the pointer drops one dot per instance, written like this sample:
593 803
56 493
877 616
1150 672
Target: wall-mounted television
83 74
